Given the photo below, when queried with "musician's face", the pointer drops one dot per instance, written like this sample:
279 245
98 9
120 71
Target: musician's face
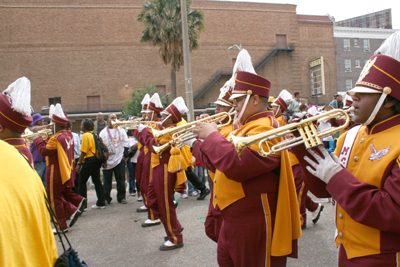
111 117
220 109
364 104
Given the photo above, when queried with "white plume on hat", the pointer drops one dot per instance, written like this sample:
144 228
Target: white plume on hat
156 100
20 94
179 103
285 95
145 100
58 111
243 62
391 46
51 110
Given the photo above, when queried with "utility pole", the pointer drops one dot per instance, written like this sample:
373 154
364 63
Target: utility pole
186 60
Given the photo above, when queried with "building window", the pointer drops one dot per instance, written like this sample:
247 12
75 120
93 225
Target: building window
357 63
54 100
346 44
93 102
349 84
347 65
317 76
366 45
355 41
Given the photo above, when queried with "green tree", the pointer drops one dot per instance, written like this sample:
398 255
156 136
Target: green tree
134 106
162 19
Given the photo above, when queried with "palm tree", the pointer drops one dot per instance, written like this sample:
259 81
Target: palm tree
163 22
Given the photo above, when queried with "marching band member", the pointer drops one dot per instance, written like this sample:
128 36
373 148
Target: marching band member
153 112
256 195
163 182
281 104
59 150
364 180
139 164
15 115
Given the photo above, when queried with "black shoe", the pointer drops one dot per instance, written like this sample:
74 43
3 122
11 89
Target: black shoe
82 205
108 202
164 247
123 201
204 193
74 218
304 227
317 213
176 204
166 237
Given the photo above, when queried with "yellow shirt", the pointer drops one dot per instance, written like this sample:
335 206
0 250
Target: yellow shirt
26 238
88 145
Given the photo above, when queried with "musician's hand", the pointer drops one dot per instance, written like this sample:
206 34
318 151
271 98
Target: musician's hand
205 129
190 142
326 167
104 165
78 168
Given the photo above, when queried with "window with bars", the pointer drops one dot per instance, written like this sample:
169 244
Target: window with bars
347 65
317 76
357 63
346 44
54 100
349 84
366 45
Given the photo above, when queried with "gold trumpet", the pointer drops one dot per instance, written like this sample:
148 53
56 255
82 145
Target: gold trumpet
45 134
130 125
309 134
184 132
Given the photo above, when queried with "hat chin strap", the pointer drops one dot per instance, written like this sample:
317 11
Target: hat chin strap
277 110
162 122
376 109
237 120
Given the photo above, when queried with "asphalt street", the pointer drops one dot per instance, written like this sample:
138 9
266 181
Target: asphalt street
114 237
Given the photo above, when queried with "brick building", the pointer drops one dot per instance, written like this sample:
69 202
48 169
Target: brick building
87 55
354 47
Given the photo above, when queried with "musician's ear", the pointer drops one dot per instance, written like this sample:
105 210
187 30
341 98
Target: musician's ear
256 100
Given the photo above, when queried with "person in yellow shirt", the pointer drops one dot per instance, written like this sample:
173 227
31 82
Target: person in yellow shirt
89 166
26 237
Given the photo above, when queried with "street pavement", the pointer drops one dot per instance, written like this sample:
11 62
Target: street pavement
114 237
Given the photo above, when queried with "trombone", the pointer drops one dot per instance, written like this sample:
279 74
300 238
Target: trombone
184 132
309 134
130 125
45 134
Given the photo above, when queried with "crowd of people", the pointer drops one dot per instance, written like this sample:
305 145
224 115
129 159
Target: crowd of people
258 202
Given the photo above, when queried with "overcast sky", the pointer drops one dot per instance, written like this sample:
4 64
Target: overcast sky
341 9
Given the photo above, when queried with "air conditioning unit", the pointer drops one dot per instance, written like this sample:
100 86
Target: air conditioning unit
366 49
348 69
347 48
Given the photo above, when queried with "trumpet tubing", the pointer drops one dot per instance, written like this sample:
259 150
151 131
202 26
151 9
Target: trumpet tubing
45 134
309 135
130 125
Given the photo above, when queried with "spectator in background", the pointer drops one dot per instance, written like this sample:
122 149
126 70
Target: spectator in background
46 121
40 161
294 107
337 102
88 165
99 123
116 140
77 154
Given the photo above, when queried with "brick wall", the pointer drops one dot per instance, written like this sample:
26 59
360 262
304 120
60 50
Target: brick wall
85 48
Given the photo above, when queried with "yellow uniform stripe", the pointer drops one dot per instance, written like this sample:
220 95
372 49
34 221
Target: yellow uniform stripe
167 203
267 214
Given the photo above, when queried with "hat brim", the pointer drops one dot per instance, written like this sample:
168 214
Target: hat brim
233 96
362 89
218 102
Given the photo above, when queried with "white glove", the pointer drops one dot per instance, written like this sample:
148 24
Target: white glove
326 168
141 127
190 142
